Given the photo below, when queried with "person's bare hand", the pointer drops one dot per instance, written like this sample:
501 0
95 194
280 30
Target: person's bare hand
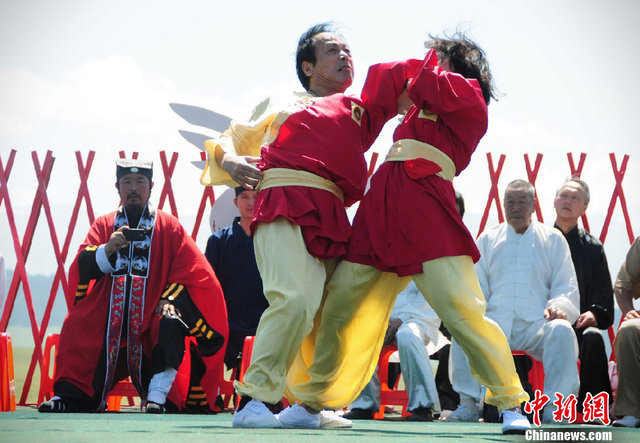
242 169
585 320
165 308
631 315
404 102
554 313
116 241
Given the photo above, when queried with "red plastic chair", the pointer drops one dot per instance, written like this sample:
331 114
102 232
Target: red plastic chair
122 389
48 373
7 380
389 395
226 388
247 349
536 374
612 337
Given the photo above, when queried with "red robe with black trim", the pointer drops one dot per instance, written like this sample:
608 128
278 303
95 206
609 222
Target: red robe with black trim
409 215
328 139
173 258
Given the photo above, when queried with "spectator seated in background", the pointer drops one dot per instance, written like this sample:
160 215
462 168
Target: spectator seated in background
139 293
627 342
594 284
529 284
413 326
230 252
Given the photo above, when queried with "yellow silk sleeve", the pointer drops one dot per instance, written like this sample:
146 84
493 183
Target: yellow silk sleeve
239 139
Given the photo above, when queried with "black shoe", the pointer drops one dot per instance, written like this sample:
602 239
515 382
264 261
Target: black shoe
421 414
359 414
58 405
154 408
490 414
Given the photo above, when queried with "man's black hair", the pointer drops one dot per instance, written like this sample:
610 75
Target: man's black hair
306 51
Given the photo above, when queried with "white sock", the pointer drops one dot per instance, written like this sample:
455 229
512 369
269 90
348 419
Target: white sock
160 385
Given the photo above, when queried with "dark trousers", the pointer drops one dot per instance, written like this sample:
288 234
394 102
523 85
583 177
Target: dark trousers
449 399
594 365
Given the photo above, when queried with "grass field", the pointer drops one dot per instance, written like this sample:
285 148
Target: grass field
21 360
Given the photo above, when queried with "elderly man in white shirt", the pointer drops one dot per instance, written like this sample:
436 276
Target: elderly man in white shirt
529 283
415 326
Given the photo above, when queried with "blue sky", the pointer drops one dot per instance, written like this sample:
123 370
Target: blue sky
100 75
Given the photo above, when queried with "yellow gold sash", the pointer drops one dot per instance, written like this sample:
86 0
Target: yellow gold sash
408 149
290 177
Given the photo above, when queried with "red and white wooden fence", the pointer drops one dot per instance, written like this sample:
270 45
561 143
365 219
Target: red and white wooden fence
43 171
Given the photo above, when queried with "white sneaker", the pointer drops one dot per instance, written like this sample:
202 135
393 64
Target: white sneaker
329 419
255 415
628 421
464 414
513 422
295 416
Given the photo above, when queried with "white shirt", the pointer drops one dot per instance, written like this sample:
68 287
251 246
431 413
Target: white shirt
411 306
522 274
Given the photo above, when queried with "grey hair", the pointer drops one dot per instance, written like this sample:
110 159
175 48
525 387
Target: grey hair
583 184
521 185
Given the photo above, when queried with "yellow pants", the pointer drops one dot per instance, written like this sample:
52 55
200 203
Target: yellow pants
293 283
354 320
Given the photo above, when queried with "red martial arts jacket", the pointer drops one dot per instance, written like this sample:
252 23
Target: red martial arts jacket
409 215
329 139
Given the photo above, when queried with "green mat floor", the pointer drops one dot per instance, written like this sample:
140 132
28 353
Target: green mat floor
130 425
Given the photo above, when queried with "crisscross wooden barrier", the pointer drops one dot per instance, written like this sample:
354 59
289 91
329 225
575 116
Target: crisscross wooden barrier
618 192
43 170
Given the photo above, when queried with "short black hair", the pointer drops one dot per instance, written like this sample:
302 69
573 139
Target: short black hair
306 51
466 58
239 190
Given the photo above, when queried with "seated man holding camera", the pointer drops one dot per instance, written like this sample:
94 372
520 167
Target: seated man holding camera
139 292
